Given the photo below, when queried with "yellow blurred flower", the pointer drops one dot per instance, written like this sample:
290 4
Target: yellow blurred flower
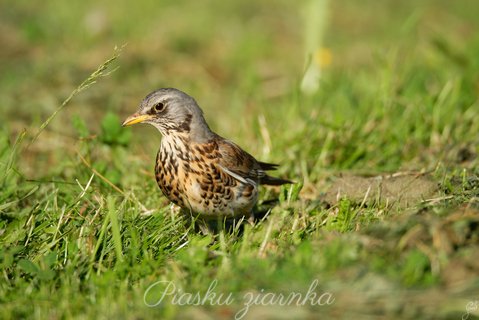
323 57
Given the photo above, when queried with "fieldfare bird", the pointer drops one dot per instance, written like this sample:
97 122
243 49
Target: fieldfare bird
203 173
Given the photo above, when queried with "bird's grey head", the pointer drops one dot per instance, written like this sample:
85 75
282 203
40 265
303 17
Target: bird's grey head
172 112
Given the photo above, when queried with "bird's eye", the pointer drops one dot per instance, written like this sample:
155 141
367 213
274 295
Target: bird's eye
160 106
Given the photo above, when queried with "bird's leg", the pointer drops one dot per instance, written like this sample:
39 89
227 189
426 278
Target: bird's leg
251 219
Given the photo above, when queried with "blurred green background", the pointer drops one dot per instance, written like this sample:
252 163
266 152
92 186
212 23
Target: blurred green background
239 59
398 92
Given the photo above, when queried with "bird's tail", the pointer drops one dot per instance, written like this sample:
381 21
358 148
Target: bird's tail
273 181
269 180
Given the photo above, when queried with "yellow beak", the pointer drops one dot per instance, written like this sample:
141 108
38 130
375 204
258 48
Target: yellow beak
135 118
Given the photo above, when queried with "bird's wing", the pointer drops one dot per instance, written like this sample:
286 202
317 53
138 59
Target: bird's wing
238 163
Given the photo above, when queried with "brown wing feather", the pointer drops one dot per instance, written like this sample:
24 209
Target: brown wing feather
242 163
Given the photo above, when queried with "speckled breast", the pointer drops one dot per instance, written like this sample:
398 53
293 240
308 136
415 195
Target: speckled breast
191 177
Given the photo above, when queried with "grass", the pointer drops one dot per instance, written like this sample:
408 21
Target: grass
85 232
